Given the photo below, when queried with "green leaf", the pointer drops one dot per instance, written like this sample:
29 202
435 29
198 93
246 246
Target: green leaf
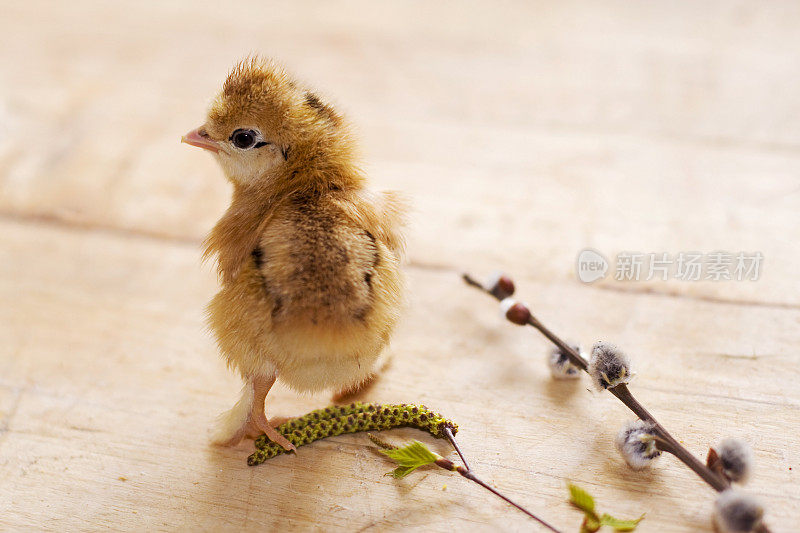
581 499
590 523
401 472
619 525
410 457
413 454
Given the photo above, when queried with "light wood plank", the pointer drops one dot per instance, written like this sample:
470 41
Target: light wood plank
523 132
568 122
109 375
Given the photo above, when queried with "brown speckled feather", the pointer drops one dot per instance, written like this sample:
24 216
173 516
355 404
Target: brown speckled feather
308 257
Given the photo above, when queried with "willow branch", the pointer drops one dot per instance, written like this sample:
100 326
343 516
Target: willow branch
666 441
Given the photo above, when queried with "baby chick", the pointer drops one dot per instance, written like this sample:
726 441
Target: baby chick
308 257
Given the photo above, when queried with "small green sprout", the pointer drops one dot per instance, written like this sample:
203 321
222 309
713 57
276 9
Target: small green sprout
409 458
591 520
415 454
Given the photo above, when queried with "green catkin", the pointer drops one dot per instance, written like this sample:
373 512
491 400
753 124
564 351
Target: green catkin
337 420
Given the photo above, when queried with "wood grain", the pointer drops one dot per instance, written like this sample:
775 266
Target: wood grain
524 132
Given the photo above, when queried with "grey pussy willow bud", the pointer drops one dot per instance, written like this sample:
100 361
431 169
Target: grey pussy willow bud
560 365
736 512
735 459
637 444
608 366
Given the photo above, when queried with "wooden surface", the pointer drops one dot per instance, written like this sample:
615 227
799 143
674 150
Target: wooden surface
524 132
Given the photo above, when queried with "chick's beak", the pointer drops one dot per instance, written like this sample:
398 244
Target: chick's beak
198 137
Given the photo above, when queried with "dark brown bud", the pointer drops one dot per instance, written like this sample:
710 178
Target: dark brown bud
500 286
514 311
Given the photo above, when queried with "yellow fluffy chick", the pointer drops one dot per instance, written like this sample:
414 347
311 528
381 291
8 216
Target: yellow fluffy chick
308 257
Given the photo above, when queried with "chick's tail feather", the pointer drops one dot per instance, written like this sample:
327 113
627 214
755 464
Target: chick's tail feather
230 423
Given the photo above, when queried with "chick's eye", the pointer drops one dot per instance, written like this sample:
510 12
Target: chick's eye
243 139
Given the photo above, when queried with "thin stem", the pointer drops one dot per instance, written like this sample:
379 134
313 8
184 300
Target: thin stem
469 280
469 475
574 357
666 443
449 434
449 465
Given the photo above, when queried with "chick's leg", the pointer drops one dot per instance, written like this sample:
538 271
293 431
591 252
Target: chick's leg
247 418
261 387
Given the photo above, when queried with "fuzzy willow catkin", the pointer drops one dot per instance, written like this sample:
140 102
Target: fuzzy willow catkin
337 420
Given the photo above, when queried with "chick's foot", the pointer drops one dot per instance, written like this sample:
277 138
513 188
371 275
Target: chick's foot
247 419
264 426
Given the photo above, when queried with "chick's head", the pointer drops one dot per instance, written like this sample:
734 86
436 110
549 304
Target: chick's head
258 119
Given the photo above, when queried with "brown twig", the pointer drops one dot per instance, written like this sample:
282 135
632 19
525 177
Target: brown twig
666 441
449 435
467 473
519 314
